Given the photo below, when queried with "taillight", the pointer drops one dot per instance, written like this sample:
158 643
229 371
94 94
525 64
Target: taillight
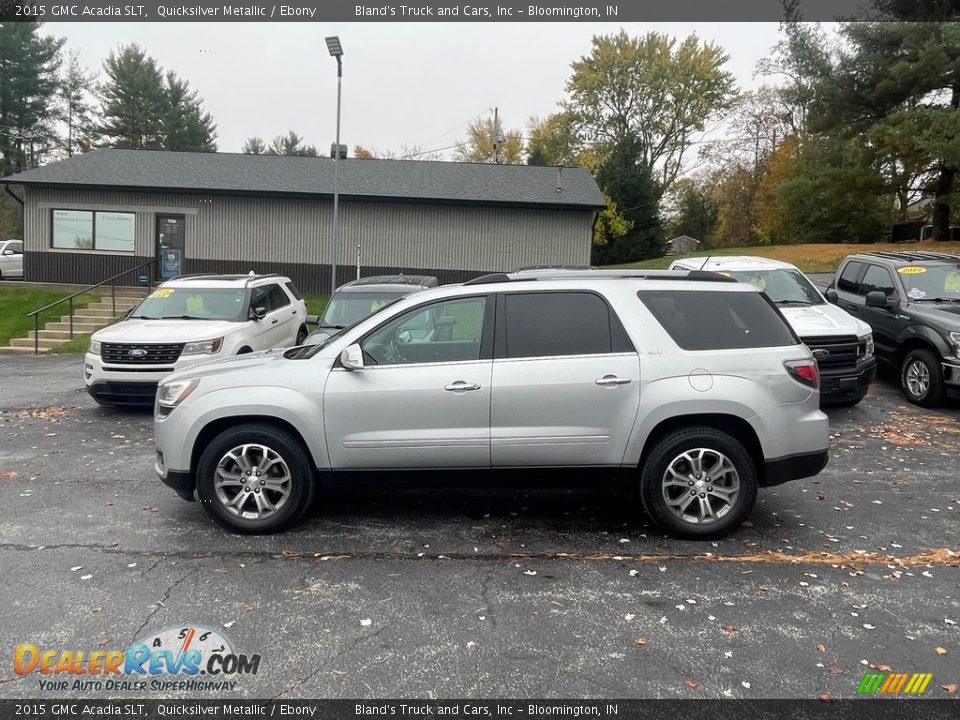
804 371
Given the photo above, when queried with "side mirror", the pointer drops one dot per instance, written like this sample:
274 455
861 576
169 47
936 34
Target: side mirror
352 357
877 299
831 296
258 313
312 320
9 252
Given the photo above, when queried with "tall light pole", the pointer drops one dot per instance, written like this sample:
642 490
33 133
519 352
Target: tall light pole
336 50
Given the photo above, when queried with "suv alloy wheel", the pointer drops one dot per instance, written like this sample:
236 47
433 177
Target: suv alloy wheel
698 483
255 479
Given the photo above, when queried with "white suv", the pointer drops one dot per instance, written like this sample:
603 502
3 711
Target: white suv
187 321
842 344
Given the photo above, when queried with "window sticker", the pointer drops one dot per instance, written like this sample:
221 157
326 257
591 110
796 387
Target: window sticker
758 282
911 270
952 282
916 294
162 293
376 305
194 304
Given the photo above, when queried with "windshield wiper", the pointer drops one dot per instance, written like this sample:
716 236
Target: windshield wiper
181 317
333 327
792 302
940 300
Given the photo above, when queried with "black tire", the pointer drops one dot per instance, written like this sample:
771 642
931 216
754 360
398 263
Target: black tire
301 335
934 393
668 450
293 454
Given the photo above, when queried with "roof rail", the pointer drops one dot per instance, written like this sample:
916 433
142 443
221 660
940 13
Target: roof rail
696 275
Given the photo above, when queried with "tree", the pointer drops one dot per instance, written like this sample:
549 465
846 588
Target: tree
634 201
488 142
652 89
553 141
291 144
76 112
28 83
900 83
696 211
143 107
254 146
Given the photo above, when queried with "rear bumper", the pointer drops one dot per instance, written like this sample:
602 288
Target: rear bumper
848 383
794 467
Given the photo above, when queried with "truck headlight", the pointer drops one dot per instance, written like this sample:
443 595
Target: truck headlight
955 339
866 346
204 347
94 347
170 394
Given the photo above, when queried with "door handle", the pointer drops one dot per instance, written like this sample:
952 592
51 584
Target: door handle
612 380
275 321
461 386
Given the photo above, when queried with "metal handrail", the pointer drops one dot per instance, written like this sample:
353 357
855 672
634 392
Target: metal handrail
69 299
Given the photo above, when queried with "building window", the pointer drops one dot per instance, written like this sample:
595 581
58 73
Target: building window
93 230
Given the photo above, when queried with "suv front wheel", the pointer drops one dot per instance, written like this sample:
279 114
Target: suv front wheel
698 483
255 479
921 378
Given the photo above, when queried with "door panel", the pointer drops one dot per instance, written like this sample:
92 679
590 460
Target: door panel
552 412
171 245
409 416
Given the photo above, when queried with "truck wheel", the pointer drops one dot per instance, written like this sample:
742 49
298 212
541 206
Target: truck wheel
698 483
922 378
255 479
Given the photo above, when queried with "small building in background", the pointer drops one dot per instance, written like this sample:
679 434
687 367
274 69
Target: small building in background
111 211
682 244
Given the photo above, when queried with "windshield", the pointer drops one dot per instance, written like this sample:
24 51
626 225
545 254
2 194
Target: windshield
784 287
931 282
347 308
191 304
308 351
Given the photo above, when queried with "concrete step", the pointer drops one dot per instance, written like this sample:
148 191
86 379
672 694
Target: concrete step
122 304
94 312
78 327
44 343
88 320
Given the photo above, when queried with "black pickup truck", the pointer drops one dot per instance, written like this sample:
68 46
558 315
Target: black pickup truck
912 302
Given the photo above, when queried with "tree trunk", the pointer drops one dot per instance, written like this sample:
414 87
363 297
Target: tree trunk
941 205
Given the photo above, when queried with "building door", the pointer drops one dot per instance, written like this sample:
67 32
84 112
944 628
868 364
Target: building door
170 246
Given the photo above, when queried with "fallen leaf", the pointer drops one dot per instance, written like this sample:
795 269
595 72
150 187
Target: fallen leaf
634 573
629 616
76 567
825 697
641 641
745 684
834 670
950 687
529 572
746 524
940 650
868 626
692 684
367 622
821 647
249 608
287 553
8 474
86 577
881 667
229 624
729 628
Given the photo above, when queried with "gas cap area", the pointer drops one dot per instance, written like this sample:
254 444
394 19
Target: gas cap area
700 380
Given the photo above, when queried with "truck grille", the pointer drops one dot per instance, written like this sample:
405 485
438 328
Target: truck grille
844 351
140 354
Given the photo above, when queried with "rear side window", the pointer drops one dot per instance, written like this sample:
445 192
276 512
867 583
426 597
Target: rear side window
561 323
294 290
278 298
847 282
709 320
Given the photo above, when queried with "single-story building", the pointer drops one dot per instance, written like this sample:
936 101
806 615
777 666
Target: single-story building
94 215
682 244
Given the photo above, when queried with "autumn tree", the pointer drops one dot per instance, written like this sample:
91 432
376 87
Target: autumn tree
652 90
488 142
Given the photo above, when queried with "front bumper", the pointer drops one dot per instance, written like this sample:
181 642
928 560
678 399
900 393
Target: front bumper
794 467
837 385
182 483
129 384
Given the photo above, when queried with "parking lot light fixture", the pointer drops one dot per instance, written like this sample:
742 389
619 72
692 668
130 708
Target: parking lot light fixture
336 50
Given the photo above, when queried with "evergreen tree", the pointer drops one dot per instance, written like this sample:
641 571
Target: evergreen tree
28 84
291 144
254 146
186 126
76 112
627 181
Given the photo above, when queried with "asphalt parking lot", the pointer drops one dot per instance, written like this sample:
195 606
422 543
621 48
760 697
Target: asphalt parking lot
441 593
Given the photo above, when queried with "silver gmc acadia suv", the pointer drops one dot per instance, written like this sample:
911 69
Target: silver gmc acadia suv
689 386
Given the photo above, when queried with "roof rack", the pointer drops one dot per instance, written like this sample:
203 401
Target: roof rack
216 276
695 275
914 256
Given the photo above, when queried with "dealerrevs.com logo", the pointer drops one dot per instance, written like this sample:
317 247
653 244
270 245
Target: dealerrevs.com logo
191 658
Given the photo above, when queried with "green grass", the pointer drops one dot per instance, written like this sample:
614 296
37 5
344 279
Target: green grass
316 303
820 257
15 303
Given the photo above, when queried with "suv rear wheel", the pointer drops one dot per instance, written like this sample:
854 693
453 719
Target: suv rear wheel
698 483
255 479
921 378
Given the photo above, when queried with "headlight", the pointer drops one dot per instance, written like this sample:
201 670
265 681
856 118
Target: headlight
204 347
955 339
170 394
866 346
94 347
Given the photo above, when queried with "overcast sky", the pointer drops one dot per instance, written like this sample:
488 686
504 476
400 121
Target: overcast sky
403 83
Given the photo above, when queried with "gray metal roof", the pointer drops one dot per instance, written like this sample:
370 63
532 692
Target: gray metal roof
272 174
